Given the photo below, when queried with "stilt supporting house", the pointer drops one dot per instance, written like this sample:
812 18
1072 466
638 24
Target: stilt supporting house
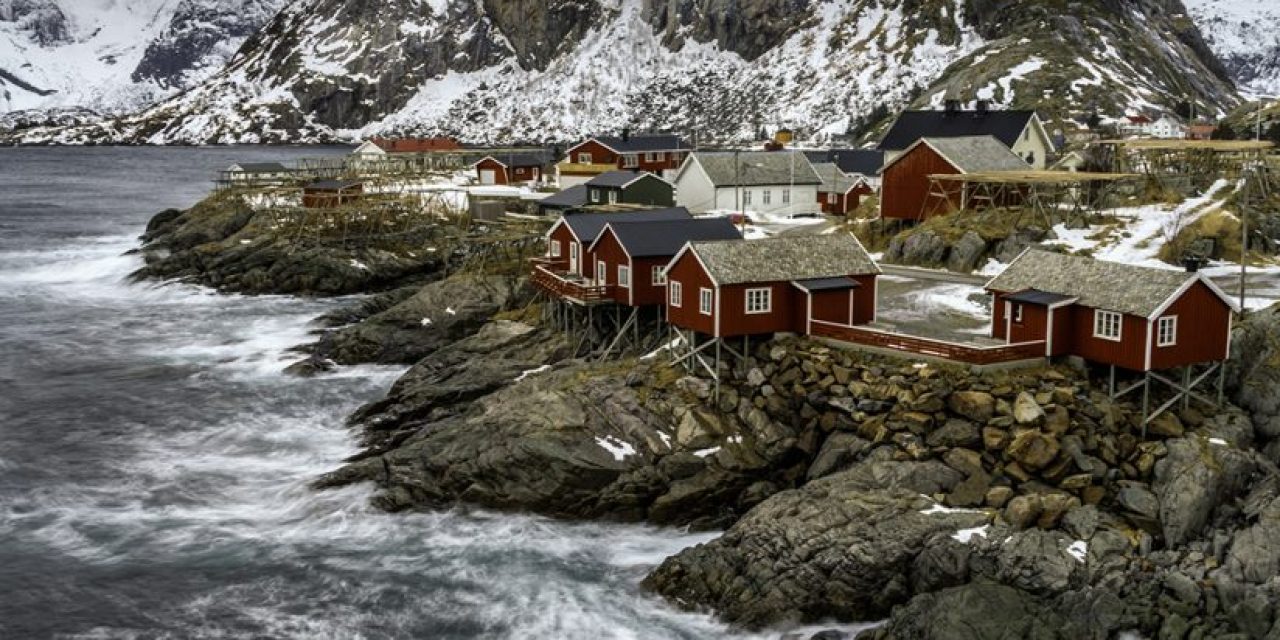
691 350
1211 374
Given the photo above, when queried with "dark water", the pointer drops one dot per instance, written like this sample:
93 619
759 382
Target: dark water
153 460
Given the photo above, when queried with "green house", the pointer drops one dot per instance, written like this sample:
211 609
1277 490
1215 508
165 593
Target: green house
630 187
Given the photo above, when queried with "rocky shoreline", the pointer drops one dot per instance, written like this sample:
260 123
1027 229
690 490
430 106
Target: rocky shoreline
945 503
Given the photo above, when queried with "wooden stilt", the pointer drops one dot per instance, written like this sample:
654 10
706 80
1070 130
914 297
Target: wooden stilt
1146 403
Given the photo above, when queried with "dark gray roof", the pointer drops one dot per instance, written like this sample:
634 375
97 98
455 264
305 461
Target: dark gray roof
587 226
1036 296
1005 126
618 178
865 162
828 284
664 238
757 168
1100 284
785 258
524 159
261 167
574 196
977 154
833 179
334 185
644 142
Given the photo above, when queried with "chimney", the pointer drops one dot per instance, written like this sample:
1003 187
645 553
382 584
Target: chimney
626 135
1193 263
952 106
983 107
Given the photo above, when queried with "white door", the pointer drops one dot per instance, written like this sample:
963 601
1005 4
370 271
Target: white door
602 273
488 176
573 258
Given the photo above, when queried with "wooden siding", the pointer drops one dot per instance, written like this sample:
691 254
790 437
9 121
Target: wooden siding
610 251
787 311
644 291
565 237
1203 331
905 186
489 164
1034 325
1128 353
864 299
650 190
845 203
691 277
602 155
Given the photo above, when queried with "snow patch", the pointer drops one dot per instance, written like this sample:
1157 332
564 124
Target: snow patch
619 449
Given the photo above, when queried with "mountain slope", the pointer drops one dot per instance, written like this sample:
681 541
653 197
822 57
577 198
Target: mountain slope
114 56
1246 36
524 70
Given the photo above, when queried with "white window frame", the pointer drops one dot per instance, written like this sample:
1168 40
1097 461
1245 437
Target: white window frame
554 251
766 196
1169 324
624 276
1017 312
746 197
757 295
662 156
613 197
595 196
674 292
706 300
649 156
786 196
1102 321
831 198
658 275
602 273
584 158
630 160
573 257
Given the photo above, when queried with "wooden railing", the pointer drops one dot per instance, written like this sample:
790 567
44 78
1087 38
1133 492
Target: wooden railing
955 351
561 286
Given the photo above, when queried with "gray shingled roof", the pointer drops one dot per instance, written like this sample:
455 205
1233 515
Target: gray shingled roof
574 196
757 168
618 178
664 238
587 226
977 154
865 162
644 142
785 258
1099 284
833 179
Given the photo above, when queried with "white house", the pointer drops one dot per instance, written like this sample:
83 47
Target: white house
764 182
1168 127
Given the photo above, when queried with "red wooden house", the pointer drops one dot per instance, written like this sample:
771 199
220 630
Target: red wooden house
631 257
905 187
727 289
839 194
511 168
658 154
1136 318
568 265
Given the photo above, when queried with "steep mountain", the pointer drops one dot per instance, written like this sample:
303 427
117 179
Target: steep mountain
1246 36
115 56
533 70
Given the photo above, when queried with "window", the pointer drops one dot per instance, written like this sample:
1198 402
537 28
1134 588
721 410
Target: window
767 196
584 158
662 155
831 198
595 195
630 161
659 275
1017 313
1106 325
759 300
1167 331
602 273
786 196
555 248
746 197
704 301
674 293
613 197
624 276
649 156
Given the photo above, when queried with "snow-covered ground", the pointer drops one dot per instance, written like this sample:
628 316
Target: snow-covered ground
1245 34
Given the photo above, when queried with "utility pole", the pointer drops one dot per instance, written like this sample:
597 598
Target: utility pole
737 183
1244 235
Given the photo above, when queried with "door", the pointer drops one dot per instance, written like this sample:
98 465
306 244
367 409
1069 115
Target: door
488 176
573 258
602 273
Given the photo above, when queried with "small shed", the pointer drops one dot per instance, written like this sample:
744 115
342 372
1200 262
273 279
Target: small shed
630 187
1136 318
331 193
632 256
905 181
512 168
729 289
839 194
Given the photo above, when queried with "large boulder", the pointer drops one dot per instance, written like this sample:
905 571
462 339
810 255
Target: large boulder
839 547
1191 481
975 611
1253 373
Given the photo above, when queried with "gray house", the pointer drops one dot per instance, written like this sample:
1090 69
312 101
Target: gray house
630 187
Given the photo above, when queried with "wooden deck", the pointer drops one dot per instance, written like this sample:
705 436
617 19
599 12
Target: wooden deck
971 354
569 287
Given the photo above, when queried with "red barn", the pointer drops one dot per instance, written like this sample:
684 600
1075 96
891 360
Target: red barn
511 168
632 257
905 186
839 194
728 289
1135 318
653 153
571 235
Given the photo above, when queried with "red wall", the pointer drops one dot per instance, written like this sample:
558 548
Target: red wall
602 155
787 314
1204 322
845 203
609 250
642 272
904 188
499 171
834 306
690 275
565 237
1073 334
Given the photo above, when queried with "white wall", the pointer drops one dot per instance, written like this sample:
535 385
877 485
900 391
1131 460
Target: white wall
695 192
804 199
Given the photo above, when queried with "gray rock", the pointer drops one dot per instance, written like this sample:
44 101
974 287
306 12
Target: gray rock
976 611
1138 498
978 406
1026 411
967 253
1193 479
838 451
955 433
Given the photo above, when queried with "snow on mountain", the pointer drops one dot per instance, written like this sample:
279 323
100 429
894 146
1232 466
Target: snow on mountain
116 56
1245 34
496 71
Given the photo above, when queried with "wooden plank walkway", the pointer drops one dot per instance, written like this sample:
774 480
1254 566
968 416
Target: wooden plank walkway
916 345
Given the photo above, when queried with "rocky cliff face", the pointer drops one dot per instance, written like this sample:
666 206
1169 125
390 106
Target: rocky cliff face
1246 37
715 69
